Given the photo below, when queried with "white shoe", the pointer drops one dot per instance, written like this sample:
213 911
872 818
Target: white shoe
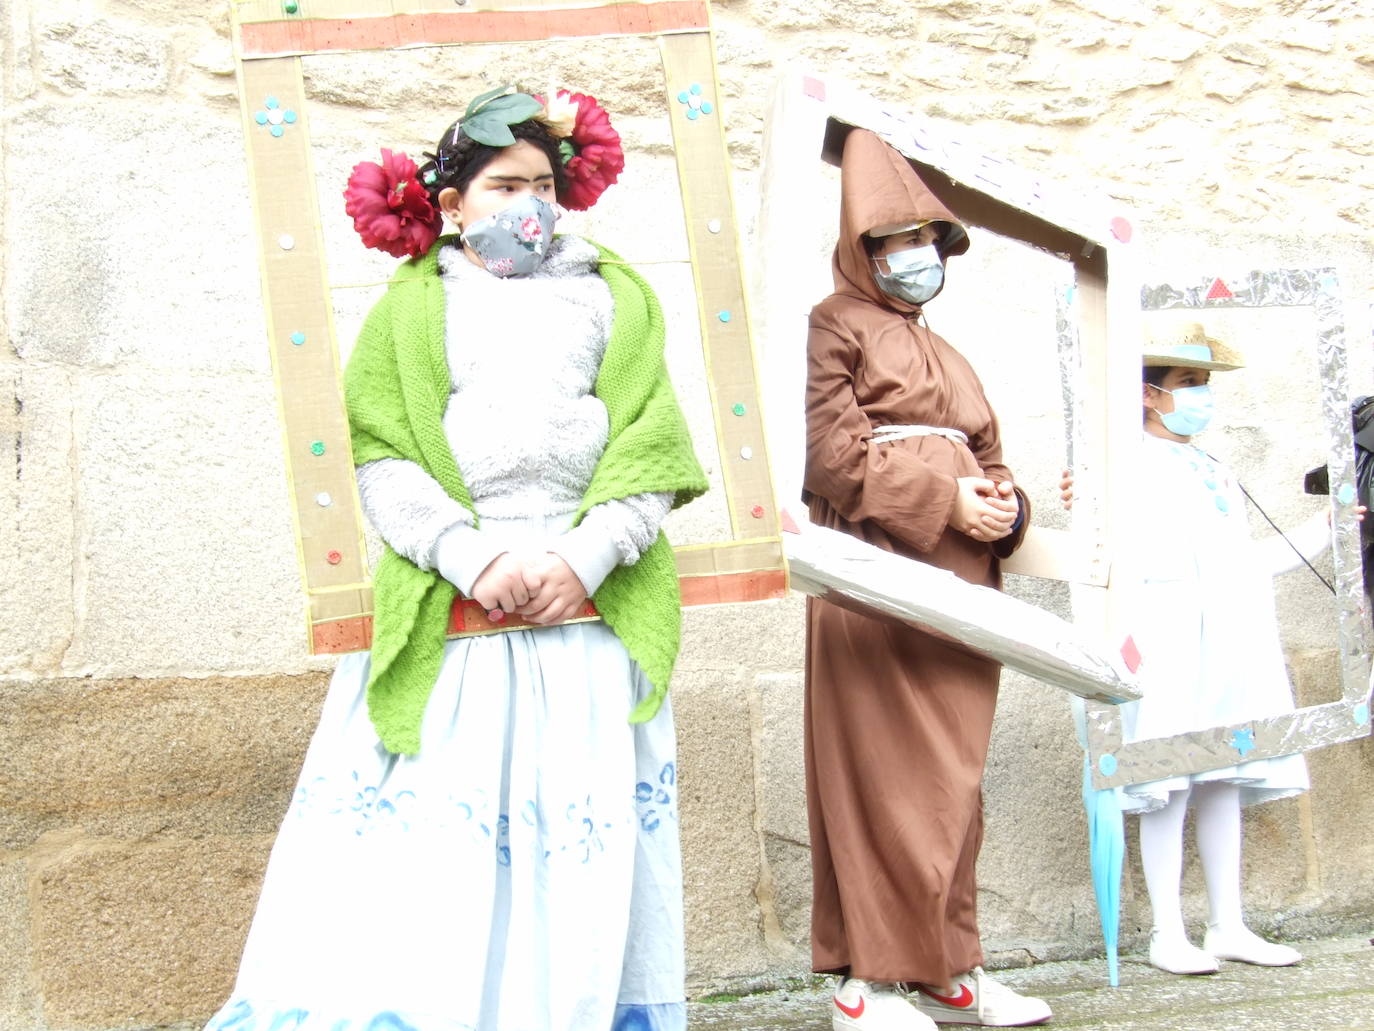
1175 954
1245 946
874 1006
978 999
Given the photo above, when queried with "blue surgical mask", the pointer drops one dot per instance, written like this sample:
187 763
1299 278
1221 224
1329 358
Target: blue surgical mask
514 241
915 275
1192 410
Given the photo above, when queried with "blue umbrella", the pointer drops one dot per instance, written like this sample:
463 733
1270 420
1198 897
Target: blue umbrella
1107 849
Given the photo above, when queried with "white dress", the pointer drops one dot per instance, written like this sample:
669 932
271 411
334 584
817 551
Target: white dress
522 872
1202 615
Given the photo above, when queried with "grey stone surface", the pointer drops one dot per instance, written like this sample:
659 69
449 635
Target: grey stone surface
1244 53
138 934
716 636
782 806
38 548
103 57
722 850
131 758
1169 43
16 36
19 999
183 509
159 273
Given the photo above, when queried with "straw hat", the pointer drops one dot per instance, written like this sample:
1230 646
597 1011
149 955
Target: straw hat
1186 345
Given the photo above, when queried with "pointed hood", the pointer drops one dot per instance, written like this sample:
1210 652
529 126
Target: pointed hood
879 190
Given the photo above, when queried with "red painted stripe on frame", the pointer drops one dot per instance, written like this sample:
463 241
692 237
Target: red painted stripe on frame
732 587
307 36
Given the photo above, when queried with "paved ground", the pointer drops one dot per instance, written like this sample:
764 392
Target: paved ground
1331 990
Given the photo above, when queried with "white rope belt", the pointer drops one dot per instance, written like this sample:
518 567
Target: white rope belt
888 434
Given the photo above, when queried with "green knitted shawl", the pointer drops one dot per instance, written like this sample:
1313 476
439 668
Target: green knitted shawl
396 388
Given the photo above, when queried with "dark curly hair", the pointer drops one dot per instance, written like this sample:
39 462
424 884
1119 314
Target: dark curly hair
457 158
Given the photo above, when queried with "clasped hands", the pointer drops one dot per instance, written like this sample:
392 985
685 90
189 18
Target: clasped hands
541 588
983 509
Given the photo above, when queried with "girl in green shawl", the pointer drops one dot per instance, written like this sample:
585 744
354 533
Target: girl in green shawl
484 835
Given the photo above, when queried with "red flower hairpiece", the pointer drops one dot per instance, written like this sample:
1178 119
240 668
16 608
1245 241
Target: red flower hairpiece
391 209
592 156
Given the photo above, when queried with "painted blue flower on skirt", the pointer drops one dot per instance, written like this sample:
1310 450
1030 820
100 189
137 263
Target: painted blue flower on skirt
657 803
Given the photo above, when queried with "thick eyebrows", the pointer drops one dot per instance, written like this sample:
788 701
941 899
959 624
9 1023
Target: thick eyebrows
519 178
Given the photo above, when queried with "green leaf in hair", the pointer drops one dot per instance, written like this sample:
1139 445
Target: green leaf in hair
490 116
477 102
494 132
513 107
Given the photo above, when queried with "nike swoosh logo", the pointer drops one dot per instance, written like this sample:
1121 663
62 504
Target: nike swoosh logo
853 1012
961 1001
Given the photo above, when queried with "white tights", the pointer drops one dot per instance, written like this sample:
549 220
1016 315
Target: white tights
1218 844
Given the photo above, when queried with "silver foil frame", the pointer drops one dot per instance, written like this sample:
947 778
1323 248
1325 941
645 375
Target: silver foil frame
1115 763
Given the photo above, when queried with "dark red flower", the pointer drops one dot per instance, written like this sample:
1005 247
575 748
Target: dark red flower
598 161
390 208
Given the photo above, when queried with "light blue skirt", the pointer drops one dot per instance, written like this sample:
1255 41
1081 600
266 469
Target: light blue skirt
522 873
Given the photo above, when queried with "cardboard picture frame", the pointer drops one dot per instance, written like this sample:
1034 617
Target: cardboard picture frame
271 38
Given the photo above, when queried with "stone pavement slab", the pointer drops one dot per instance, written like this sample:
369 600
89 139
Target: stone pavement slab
1331 990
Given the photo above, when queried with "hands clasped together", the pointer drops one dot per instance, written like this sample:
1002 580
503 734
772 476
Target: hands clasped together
983 509
541 588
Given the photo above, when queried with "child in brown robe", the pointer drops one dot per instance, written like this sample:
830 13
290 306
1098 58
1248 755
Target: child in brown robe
902 452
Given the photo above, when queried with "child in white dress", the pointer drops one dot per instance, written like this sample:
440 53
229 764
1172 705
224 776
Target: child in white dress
1201 611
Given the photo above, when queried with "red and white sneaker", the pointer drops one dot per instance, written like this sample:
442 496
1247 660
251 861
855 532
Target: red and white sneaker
875 1006
978 999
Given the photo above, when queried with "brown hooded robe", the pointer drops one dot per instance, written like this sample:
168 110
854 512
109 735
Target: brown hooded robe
897 721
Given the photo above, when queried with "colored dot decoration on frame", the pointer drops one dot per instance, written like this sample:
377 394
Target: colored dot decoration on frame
756 511
275 118
286 241
334 558
317 447
724 316
696 106
746 452
1106 764
1346 494
738 408
298 338
1243 740
1361 713
324 499
713 226
291 7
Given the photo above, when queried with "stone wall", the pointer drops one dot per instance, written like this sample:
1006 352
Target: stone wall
155 700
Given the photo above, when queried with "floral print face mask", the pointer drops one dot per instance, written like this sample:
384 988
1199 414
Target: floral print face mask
514 241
